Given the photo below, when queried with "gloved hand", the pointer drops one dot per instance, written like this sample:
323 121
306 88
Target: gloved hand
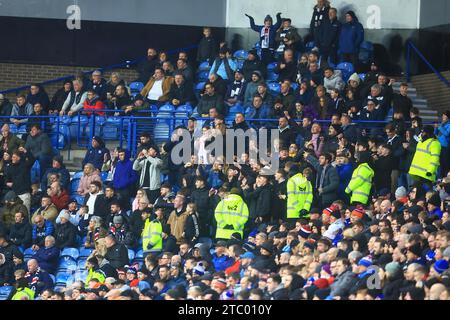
429 174
149 246
248 16
303 213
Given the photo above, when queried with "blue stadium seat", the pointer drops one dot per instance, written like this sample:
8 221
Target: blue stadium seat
70 252
362 76
366 52
204 66
309 46
200 86
5 292
28 254
272 76
241 55
131 254
81 263
294 86
257 45
136 87
104 176
62 278
203 76
236 109
271 67
274 87
52 277
77 175
74 183
80 199
85 252
66 265
347 70
80 275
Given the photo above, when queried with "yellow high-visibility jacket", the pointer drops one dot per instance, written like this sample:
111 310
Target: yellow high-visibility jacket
152 235
299 196
426 159
232 211
361 184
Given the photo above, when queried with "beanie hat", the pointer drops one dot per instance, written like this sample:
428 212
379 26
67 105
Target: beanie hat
435 200
430 228
321 283
131 270
10 196
267 246
428 130
416 249
366 262
252 234
199 269
327 269
258 73
309 245
64 215
359 212
401 192
118 219
253 52
447 113
441 266
268 18
392 268
328 211
305 231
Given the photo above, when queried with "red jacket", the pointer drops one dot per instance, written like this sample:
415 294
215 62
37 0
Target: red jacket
96 104
235 267
61 201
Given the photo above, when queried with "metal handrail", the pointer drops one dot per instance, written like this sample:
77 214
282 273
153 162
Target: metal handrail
410 46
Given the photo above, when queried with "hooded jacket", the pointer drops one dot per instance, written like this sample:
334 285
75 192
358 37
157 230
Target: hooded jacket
19 174
39 145
351 37
20 234
94 103
154 171
124 175
96 156
334 82
8 212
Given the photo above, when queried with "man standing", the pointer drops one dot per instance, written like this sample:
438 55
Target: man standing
124 178
116 254
149 164
95 200
97 153
361 183
329 37
152 241
147 67
300 195
207 48
231 215
350 39
177 218
40 146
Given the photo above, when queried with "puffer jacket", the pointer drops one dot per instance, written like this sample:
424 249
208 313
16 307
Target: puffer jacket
335 82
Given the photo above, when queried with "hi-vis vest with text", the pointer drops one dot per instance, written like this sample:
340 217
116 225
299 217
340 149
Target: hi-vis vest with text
232 211
299 196
426 159
152 235
361 184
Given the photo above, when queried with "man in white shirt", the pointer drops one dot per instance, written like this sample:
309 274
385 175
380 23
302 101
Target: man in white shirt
75 99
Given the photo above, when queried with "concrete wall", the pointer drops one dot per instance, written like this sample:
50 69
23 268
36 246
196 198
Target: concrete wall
434 13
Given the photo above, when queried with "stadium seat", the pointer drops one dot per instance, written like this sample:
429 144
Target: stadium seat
203 76
80 199
62 278
80 275
347 70
294 86
309 46
272 76
67 265
131 254
78 175
85 252
271 67
362 76
70 252
274 87
52 277
236 109
136 87
74 183
204 66
5 292
104 176
241 55
28 254
81 263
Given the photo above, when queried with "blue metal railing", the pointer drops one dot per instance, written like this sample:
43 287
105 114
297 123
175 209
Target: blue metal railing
125 64
411 46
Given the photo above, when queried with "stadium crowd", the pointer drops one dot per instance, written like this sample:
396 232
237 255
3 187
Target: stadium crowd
355 211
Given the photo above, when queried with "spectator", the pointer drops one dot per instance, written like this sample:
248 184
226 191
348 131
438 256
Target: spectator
207 48
177 218
146 68
361 182
114 81
442 131
39 117
149 165
48 210
48 255
333 80
6 272
224 66
314 75
39 145
38 279
117 254
20 231
236 90
287 37
181 92
329 37
252 64
93 102
318 20
258 110
75 100
138 104
65 232
38 95
97 154
41 229
287 67
95 200
285 102
191 232
350 38
98 85
9 141
5 107
21 109
59 98
120 230
210 100
259 200
401 102
13 205
124 178
89 176
187 72
58 168
252 87
157 89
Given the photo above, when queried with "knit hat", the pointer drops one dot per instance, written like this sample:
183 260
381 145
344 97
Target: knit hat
321 283
268 18
401 192
366 262
199 269
65 215
415 229
305 231
267 246
435 200
131 270
10 196
393 268
248 255
118 220
327 269
308 244
416 249
359 212
428 130
252 234
253 52
441 266
328 211
430 228
258 73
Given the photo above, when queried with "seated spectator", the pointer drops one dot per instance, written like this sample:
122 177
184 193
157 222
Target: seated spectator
350 39
236 90
20 231
264 93
285 102
59 196
207 48
37 118
97 154
9 141
38 95
40 146
252 64
21 109
89 175
41 229
168 68
75 214
98 84
181 92
6 271
287 67
13 205
5 108
93 102
65 232
252 87
120 99
58 168
336 104
48 210
38 279
186 70
59 98
116 254
314 75
48 255
157 89
95 200
115 210
121 232
93 231
258 110
138 104
224 65
75 100
114 81
210 100
333 80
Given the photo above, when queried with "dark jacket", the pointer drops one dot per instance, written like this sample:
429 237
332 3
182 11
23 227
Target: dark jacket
41 97
330 181
5 110
319 17
184 93
259 201
63 173
124 175
58 99
65 235
9 251
20 234
342 284
280 293
207 50
207 102
19 174
8 212
192 228
351 37
13 142
289 73
383 167
39 281
100 208
272 31
6 274
100 89
329 35
146 69
251 66
170 244
40 146
96 156
38 234
47 258
117 256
